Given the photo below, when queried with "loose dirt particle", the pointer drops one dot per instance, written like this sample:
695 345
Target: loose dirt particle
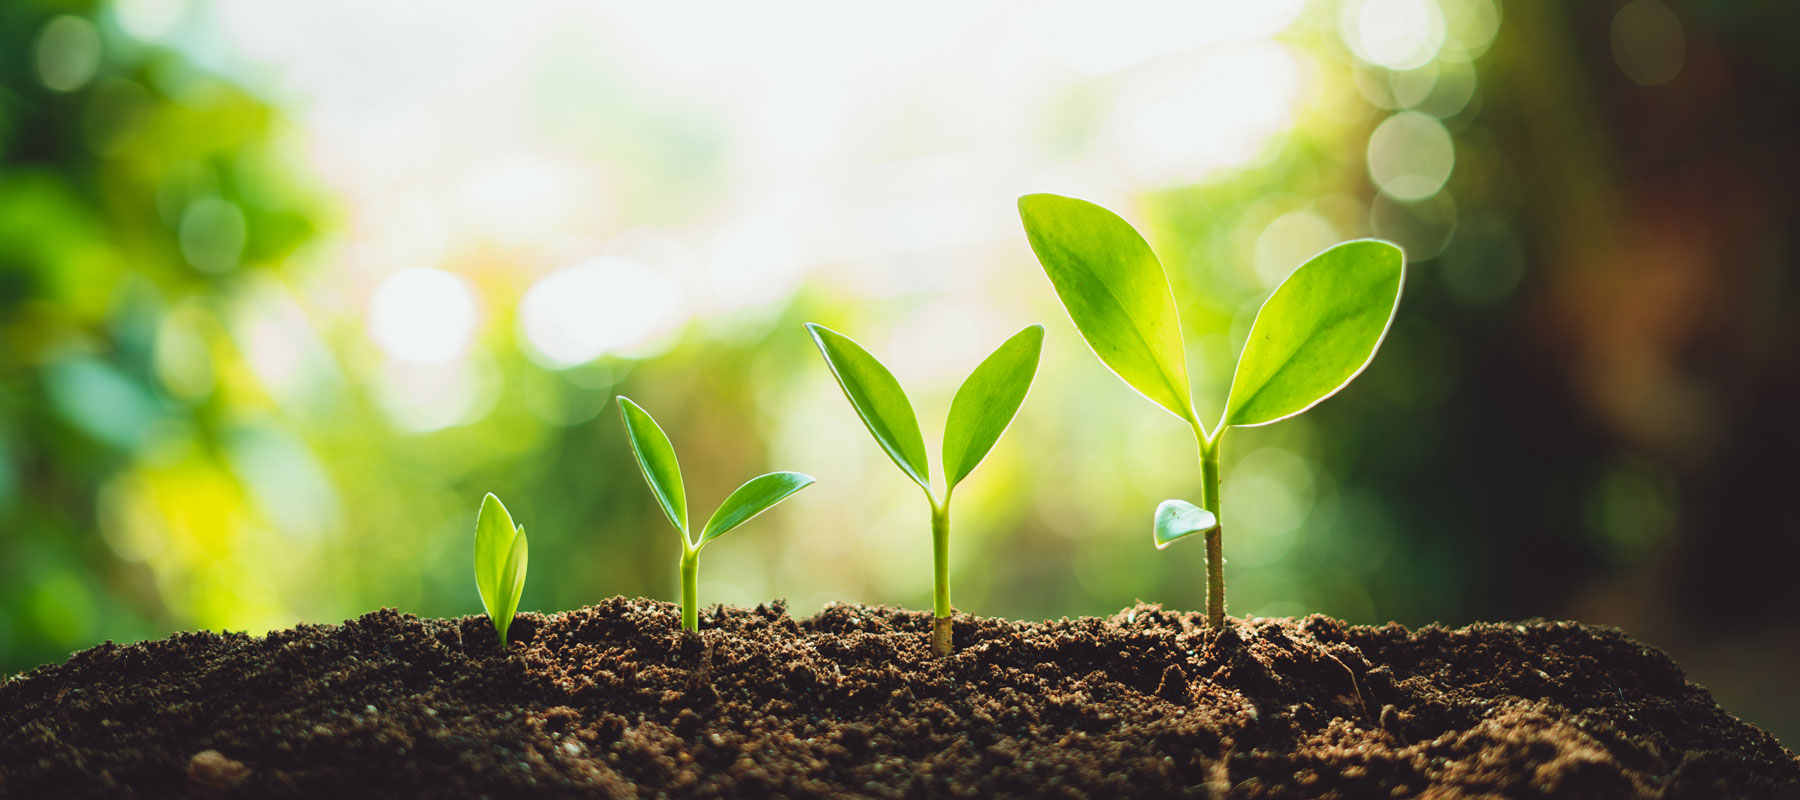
211 774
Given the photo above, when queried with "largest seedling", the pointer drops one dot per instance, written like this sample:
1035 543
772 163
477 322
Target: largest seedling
1318 331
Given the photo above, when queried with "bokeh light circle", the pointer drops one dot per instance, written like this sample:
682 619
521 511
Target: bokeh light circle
603 305
1648 42
1397 34
1410 156
425 316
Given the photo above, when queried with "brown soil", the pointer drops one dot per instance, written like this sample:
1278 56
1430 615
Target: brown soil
614 701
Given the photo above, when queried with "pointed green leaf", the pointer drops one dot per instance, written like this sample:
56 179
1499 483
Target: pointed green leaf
499 563
1116 293
757 495
656 457
1178 518
493 537
1318 330
512 583
878 399
987 402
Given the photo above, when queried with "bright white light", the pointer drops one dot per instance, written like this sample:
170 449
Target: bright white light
754 264
607 304
1410 156
1214 114
1103 37
515 198
1397 34
425 316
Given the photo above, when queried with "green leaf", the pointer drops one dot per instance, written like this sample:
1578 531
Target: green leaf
1178 518
987 402
656 457
499 563
757 495
1116 293
878 399
512 583
1318 330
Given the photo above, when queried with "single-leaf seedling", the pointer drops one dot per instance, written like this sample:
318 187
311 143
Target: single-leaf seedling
981 410
500 552
1315 333
656 457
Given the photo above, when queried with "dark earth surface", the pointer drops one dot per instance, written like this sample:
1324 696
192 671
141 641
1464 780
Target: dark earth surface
615 701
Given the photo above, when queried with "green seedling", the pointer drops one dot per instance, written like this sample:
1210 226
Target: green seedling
500 552
656 457
980 412
1317 332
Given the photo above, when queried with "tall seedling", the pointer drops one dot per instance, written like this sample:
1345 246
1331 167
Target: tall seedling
980 412
1318 331
656 457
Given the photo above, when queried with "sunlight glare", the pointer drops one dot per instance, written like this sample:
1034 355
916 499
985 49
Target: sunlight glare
1397 34
425 316
600 306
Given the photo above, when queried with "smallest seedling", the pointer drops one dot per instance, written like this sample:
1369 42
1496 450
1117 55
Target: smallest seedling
656 457
500 551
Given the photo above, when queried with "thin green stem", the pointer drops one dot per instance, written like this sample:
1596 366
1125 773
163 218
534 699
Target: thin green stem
690 588
940 577
1209 500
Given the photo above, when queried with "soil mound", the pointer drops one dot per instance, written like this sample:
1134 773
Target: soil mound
614 700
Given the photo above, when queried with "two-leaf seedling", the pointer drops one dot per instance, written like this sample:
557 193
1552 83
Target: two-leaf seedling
500 553
1318 331
656 457
980 412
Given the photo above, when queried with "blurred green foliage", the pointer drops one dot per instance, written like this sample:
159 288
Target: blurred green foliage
196 429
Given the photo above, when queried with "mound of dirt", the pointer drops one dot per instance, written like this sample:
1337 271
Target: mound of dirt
614 700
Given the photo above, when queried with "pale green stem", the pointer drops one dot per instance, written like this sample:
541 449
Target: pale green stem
1209 500
940 577
690 588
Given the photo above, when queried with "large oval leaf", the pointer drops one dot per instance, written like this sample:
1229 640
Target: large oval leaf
757 495
1318 330
987 402
1176 519
1116 293
878 399
656 457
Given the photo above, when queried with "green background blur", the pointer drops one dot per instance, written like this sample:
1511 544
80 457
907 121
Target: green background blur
285 287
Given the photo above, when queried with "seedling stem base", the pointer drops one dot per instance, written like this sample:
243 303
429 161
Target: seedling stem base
690 588
941 627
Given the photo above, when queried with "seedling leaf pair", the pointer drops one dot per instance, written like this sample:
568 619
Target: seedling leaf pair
500 559
1316 333
656 458
980 412
1318 330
